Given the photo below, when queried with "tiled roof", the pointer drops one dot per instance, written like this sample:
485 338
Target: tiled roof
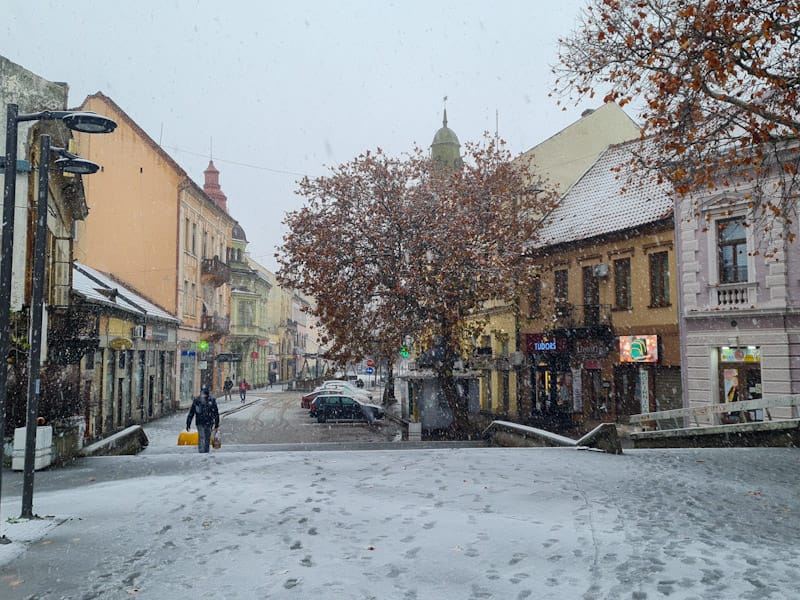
99 288
607 200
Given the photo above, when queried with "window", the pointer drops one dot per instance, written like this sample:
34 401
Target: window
187 235
245 313
194 238
186 297
732 250
192 298
561 294
205 244
561 287
659 279
535 298
622 283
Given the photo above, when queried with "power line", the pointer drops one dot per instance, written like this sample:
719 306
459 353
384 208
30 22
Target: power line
240 164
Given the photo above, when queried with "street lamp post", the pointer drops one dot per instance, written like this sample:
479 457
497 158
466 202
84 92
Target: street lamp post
86 122
69 163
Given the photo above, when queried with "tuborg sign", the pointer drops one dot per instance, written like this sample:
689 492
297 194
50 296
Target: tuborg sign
537 343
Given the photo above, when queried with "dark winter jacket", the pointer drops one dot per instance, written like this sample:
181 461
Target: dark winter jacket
204 411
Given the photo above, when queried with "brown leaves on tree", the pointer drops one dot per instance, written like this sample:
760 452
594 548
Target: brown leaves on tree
390 247
718 81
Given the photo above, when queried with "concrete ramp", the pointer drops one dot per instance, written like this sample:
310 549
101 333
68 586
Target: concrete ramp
131 440
505 433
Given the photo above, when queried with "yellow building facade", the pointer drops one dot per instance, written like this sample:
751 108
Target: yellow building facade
599 326
152 226
558 162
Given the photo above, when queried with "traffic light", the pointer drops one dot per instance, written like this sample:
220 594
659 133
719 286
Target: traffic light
404 352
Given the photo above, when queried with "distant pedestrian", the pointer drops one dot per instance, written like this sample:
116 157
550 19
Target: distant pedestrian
206 416
243 389
271 379
227 387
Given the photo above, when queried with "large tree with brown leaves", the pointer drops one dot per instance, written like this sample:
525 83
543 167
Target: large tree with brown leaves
718 81
395 247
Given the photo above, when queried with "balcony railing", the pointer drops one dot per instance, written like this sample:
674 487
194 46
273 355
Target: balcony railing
215 326
215 271
570 316
734 295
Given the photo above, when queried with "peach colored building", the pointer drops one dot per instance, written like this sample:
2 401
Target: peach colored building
153 227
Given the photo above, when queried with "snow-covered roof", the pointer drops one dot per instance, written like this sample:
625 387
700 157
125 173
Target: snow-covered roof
99 288
608 198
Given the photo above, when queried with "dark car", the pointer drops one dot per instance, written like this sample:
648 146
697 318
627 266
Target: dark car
345 408
307 399
320 397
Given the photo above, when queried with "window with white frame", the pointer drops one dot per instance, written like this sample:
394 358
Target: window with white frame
732 250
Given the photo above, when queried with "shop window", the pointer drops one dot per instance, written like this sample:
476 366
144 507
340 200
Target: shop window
740 380
659 279
622 283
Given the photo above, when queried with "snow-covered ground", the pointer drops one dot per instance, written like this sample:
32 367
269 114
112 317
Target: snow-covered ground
417 524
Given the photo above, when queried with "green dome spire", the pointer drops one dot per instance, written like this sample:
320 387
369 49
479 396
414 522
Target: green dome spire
445 149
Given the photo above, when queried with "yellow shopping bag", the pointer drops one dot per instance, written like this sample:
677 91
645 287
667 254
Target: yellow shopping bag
187 438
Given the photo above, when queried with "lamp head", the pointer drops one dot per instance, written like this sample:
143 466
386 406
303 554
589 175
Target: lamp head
89 122
77 166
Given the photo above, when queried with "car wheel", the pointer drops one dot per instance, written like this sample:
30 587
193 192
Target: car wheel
321 418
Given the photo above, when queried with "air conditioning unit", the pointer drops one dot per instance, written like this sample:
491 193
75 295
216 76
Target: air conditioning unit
601 270
138 331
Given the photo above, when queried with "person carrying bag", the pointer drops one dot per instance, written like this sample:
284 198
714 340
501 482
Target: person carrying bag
205 412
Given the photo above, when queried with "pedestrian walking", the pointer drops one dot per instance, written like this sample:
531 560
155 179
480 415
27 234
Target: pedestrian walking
205 412
243 389
227 387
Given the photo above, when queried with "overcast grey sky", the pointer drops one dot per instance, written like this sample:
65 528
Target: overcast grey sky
288 88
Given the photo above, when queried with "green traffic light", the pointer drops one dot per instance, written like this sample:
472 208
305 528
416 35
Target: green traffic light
404 352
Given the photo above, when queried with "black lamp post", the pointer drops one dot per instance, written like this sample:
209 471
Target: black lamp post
86 122
69 164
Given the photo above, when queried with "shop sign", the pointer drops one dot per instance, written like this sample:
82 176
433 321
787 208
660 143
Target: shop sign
120 343
644 390
590 349
254 355
638 348
157 333
229 357
749 354
262 343
542 343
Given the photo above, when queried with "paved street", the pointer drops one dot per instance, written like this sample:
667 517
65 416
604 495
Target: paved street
298 521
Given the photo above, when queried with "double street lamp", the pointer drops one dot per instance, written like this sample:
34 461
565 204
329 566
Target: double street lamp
86 122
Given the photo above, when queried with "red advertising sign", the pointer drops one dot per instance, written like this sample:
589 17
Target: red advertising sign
254 355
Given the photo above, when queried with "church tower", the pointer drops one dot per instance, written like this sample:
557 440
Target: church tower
446 149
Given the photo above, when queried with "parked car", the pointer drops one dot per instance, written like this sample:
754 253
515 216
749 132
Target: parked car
348 388
318 399
306 399
345 408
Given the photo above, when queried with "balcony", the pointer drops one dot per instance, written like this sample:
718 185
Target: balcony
214 271
582 321
734 295
214 327
482 359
